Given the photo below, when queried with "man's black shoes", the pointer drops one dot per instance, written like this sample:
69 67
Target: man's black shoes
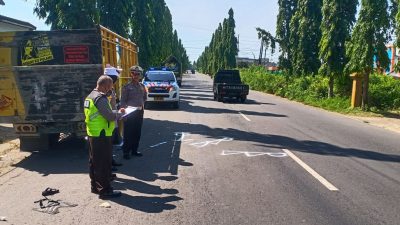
94 191
115 163
110 194
113 176
137 154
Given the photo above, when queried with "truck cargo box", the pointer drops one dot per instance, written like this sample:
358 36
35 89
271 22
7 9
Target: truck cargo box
46 75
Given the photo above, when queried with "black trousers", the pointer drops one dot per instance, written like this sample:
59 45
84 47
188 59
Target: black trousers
132 132
100 157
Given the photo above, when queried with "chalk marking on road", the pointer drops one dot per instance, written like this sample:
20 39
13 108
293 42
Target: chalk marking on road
321 179
214 142
153 146
181 135
244 116
253 154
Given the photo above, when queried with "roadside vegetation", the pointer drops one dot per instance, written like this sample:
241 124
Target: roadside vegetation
321 43
384 91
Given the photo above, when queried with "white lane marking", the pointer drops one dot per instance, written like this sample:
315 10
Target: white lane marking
158 144
245 117
322 180
252 154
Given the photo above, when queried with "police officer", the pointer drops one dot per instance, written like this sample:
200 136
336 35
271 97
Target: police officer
100 124
114 73
133 94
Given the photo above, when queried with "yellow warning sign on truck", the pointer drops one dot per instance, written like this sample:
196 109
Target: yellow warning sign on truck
36 50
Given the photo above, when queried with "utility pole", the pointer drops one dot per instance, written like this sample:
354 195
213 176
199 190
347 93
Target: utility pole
238 44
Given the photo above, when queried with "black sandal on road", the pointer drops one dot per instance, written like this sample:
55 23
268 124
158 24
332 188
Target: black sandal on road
50 191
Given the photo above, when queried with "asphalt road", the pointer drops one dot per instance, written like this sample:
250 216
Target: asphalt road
268 161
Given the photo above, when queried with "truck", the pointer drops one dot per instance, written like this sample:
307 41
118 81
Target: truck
173 64
46 75
227 83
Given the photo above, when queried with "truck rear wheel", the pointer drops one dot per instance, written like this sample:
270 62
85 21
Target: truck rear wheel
31 144
219 98
53 139
243 99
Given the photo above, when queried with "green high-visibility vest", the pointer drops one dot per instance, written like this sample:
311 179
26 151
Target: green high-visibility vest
95 122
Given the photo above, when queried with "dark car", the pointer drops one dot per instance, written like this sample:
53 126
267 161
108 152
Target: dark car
227 83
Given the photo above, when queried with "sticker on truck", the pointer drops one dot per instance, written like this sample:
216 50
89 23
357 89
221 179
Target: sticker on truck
36 50
76 54
5 102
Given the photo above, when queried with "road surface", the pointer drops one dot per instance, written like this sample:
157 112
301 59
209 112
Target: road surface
268 161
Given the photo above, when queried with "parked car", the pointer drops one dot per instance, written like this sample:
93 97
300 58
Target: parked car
161 86
227 83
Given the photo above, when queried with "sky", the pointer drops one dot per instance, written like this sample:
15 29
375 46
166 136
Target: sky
195 21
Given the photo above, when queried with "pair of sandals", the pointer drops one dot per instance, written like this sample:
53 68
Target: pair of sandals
50 202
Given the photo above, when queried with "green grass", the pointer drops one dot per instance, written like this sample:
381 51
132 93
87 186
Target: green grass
312 90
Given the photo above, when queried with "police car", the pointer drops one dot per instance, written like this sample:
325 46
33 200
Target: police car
161 86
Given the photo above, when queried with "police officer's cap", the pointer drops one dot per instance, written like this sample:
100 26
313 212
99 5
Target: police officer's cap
136 69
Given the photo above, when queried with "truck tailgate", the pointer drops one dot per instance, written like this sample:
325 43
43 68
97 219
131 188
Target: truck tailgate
233 88
46 93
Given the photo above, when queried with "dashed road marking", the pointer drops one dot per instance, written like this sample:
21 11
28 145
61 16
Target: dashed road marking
321 179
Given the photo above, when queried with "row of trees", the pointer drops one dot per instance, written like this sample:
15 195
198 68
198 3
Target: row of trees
222 50
147 22
323 36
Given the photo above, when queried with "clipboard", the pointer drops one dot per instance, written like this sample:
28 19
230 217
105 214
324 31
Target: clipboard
129 110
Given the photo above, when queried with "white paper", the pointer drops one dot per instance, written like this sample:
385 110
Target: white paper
129 110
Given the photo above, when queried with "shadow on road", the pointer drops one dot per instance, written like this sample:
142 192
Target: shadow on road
191 108
278 141
147 204
206 94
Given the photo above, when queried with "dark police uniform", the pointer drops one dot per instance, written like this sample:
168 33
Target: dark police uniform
133 94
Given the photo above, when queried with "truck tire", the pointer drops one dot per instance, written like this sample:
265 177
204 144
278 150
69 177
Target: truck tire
219 98
53 139
31 144
243 99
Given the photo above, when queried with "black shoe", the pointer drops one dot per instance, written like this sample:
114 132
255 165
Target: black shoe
137 154
113 176
110 194
127 157
114 163
94 191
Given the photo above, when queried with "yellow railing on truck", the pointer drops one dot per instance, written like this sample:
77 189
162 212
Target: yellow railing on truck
118 52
